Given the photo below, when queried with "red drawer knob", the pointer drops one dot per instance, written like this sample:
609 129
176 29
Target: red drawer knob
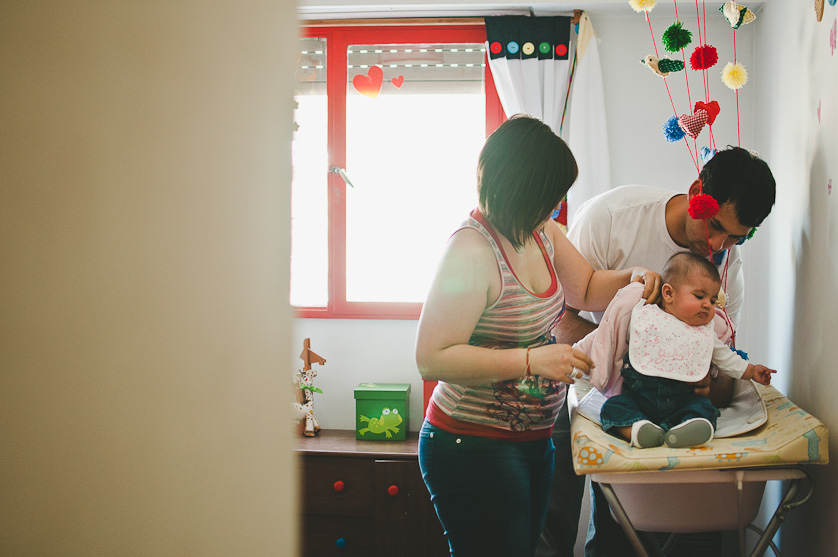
339 485
393 490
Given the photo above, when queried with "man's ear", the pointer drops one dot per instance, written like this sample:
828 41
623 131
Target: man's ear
695 189
666 292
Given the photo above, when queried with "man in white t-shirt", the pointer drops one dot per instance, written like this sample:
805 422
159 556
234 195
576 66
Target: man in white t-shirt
630 223
641 225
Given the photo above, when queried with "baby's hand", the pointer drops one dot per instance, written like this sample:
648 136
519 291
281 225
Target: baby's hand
762 374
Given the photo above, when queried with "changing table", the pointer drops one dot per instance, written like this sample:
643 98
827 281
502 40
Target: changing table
723 481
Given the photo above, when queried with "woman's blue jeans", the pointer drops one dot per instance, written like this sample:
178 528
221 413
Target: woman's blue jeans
491 496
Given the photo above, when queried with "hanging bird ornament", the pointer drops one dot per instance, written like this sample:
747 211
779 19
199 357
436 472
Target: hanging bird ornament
736 14
662 66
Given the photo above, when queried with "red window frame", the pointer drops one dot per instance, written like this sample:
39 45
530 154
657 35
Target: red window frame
337 40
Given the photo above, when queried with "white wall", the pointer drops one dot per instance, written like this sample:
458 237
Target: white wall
144 324
358 351
792 273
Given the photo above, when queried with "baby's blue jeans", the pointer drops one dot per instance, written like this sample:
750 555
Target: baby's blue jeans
665 402
491 496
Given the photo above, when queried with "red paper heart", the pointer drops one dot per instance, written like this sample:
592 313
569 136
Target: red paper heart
397 81
692 124
712 109
370 84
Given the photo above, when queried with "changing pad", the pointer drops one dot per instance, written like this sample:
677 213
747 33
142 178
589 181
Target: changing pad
785 434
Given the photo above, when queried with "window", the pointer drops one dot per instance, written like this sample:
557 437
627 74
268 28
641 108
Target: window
390 123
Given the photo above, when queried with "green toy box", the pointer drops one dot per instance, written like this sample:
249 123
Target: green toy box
381 411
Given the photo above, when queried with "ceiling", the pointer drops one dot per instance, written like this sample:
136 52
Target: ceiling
342 9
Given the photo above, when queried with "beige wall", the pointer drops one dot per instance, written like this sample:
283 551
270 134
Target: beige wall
144 327
794 259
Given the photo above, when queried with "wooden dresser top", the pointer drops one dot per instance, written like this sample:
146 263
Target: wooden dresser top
339 442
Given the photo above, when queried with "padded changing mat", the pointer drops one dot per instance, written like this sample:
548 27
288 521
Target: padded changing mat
789 436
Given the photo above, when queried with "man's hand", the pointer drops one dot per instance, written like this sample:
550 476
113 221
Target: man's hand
718 389
572 328
702 388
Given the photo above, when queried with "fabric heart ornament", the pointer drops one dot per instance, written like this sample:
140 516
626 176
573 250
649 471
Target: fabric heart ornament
712 109
369 85
692 124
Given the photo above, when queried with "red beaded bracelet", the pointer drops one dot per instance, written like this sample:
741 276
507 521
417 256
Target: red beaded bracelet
528 363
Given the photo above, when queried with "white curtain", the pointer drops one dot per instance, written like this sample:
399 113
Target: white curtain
531 78
563 90
587 133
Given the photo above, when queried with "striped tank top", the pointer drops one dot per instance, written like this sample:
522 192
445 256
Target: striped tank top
520 409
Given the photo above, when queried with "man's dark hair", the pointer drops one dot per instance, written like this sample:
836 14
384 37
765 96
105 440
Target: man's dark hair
686 263
524 171
736 175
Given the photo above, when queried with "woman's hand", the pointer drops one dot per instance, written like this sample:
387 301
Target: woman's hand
559 362
651 281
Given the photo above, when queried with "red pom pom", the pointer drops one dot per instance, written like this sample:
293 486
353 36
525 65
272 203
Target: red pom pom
704 57
703 206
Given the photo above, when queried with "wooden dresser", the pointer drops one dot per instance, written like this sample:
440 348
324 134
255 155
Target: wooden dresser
365 498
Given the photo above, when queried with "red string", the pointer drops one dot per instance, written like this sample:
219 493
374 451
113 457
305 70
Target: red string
738 134
684 58
702 41
724 309
654 42
668 92
707 235
699 23
700 44
686 77
695 161
734 46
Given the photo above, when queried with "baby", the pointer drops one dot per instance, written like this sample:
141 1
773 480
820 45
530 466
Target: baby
671 347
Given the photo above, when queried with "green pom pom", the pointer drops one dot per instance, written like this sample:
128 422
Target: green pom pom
668 66
676 37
